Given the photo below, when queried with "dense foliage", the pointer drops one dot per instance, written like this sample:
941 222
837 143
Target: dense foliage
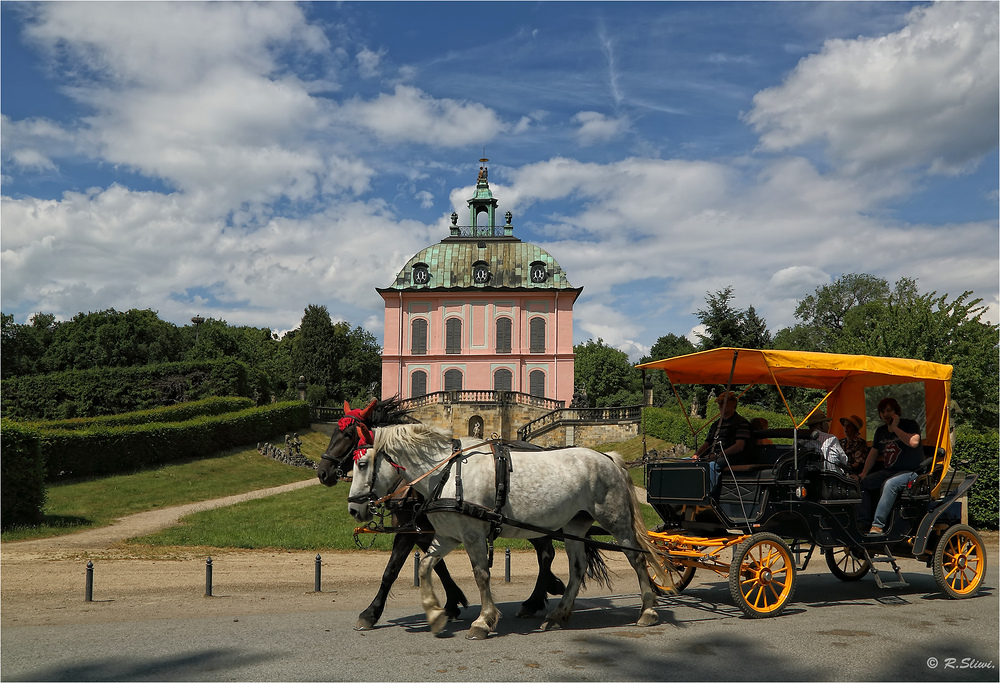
110 391
22 475
978 453
216 405
339 362
606 375
102 449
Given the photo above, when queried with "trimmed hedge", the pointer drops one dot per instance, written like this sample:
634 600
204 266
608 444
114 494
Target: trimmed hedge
104 450
181 412
981 452
22 475
111 391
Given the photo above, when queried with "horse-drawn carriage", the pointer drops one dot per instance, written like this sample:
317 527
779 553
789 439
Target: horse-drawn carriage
783 501
773 511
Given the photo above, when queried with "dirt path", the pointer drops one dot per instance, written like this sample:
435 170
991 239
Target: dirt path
139 524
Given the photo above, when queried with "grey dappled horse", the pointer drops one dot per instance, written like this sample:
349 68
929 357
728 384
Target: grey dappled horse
566 489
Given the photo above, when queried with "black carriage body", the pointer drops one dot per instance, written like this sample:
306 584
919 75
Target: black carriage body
791 495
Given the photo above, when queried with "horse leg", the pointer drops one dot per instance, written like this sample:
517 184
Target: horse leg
558 617
454 596
647 612
402 544
547 582
436 616
477 548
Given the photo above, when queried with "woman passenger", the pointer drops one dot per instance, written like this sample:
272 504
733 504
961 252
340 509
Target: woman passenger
854 444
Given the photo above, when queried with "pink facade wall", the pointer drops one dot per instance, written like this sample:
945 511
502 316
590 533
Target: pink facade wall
479 360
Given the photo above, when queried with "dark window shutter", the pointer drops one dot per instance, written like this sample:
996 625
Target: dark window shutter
453 334
536 328
418 384
453 380
503 380
537 381
504 335
418 337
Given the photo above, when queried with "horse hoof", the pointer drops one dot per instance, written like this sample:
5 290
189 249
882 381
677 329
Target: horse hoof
477 633
525 612
437 622
551 626
648 619
364 626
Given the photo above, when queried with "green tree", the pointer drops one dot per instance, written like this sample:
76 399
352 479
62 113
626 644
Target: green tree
337 361
668 346
23 346
112 339
862 314
607 375
727 326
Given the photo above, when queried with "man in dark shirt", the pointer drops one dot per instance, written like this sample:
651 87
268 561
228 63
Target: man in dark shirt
898 441
728 438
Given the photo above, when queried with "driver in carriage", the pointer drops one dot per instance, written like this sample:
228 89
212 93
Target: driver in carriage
728 438
898 442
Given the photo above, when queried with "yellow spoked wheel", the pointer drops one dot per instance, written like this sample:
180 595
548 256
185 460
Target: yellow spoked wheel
678 573
960 562
762 576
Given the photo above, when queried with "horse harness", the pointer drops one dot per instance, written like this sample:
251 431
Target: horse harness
405 497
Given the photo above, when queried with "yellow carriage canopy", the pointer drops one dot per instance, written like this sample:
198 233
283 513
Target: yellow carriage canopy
843 377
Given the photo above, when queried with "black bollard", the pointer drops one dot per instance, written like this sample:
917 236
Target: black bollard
208 578
506 559
89 594
319 574
416 569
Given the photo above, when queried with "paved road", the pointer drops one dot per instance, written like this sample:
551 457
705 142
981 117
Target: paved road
832 631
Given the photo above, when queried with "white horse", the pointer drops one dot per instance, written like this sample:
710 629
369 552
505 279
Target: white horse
567 489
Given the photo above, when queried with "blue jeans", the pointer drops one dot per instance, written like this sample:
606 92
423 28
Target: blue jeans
892 483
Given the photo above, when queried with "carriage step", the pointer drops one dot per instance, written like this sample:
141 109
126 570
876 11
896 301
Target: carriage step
887 557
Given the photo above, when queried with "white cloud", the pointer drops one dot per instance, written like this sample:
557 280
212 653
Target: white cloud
369 61
923 97
411 115
595 127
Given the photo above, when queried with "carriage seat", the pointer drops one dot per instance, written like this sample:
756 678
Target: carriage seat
921 487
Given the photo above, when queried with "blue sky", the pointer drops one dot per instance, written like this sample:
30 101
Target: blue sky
242 161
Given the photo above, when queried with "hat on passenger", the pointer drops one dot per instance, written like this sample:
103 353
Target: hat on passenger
819 417
854 420
727 394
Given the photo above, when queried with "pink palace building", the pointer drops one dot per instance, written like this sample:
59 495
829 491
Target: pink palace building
480 311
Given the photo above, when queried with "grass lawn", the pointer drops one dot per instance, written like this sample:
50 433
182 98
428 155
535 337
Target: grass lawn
72 506
314 518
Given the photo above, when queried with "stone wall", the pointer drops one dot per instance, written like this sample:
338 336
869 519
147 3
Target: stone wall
588 435
462 418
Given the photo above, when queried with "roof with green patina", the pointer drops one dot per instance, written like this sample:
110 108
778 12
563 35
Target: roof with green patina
450 263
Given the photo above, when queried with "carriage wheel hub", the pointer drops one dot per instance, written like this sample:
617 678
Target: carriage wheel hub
962 561
765 576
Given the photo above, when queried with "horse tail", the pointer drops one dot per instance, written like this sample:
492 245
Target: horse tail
597 568
642 535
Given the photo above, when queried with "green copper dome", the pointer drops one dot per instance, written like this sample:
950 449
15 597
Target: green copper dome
482 256
508 262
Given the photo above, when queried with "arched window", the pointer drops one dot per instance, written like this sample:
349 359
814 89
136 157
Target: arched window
536 380
536 333
418 383
503 380
453 380
505 327
453 335
418 337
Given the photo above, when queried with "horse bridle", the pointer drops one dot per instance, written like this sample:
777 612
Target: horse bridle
371 497
364 436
